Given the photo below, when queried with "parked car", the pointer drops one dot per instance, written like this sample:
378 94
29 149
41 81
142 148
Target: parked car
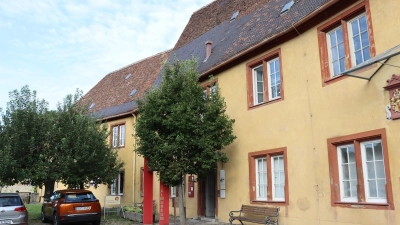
72 205
12 209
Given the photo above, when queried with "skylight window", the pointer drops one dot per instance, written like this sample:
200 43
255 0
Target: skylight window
127 76
287 6
132 92
91 106
234 15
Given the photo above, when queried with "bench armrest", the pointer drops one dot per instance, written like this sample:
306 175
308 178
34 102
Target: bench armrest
269 221
231 213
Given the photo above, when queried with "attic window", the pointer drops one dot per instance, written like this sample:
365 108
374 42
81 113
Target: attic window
91 106
127 76
287 7
132 92
234 15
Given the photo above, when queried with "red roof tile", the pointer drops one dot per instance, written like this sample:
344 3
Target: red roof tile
115 88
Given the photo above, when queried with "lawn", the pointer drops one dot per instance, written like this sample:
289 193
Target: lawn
35 209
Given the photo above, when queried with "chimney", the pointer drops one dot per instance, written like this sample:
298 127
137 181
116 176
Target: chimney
208 49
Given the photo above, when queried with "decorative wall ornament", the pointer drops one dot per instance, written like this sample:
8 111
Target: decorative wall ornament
393 86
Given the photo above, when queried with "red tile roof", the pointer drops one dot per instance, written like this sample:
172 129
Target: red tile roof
115 88
213 15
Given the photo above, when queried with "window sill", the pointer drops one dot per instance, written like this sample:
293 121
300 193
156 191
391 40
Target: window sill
334 79
268 202
364 205
266 103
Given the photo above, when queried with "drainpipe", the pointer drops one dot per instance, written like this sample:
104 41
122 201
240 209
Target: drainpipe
134 159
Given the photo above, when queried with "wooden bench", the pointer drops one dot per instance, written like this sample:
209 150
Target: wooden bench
250 213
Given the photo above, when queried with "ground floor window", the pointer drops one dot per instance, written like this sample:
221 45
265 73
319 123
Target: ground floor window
360 170
117 187
268 176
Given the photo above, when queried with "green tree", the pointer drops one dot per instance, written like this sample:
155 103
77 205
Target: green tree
46 146
180 130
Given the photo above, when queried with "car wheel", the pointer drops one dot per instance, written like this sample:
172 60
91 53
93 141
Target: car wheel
56 220
97 222
43 217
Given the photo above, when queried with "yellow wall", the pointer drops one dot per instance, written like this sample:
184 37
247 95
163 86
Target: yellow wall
132 166
309 115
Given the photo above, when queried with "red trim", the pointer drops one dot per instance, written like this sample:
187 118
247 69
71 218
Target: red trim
267 153
249 77
341 20
119 124
356 139
164 205
148 195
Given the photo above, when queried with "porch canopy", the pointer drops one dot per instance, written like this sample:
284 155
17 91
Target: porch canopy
370 67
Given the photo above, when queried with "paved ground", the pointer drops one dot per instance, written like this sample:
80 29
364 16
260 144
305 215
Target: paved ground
128 222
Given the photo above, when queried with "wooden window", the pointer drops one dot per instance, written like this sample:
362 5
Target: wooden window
268 177
264 79
359 169
210 87
117 187
345 41
118 135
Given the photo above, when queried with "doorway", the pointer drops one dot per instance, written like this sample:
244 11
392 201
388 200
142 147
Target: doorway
207 196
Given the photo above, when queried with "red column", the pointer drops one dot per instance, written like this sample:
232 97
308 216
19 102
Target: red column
147 195
164 204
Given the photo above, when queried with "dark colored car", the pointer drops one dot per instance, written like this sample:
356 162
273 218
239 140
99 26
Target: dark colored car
12 209
72 205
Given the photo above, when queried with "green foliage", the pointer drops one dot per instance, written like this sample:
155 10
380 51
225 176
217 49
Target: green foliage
42 146
180 130
131 208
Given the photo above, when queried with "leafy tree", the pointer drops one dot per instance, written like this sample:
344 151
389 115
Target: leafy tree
64 145
180 130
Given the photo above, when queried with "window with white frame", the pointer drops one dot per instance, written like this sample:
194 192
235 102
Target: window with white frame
373 171
271 73
118 136
359 39
268 179
261 178
117 187
278 178
346 41
359 170
359 44
264 79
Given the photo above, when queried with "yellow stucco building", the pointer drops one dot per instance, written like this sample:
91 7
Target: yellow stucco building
310 84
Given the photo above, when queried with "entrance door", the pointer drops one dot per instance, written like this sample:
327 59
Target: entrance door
210 195
206 199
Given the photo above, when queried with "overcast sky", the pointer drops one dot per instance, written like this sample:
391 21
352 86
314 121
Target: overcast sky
57 46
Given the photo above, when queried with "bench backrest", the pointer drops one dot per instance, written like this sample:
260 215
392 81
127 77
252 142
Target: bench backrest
260 210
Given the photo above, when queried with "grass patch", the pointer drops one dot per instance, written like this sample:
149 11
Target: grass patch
34 211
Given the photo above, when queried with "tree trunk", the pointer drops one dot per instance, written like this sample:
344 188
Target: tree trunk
1 187
48 188
182 211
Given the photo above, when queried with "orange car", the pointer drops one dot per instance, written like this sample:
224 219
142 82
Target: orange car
73 205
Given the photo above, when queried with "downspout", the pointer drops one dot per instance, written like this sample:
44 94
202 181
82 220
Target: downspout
134 158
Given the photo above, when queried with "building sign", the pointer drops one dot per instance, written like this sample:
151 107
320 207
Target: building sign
393 107
112 200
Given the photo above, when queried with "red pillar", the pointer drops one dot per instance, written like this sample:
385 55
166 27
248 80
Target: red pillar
148 195
164 204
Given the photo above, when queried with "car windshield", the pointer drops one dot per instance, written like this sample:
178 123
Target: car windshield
10 201
79 196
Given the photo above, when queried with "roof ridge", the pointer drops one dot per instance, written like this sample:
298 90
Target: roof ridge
203 7
141 60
